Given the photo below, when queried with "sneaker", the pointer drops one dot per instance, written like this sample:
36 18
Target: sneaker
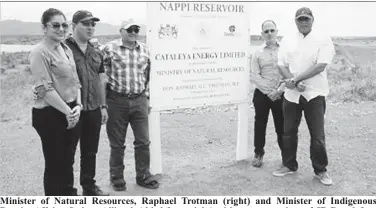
118 184
257 160
324 178
283 171
147 181
93 191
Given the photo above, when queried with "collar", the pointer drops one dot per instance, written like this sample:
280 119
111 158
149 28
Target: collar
264 45
72 40
119 42
302 36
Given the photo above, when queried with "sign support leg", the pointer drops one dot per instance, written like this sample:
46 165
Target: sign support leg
242 135
155 145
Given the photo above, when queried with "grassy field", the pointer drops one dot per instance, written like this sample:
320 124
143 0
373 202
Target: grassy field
198 145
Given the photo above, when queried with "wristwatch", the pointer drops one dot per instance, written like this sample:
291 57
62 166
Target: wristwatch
104 106
293 81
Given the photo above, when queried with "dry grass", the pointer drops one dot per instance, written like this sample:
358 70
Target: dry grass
351 75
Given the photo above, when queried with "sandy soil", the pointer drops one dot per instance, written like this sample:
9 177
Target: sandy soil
199 156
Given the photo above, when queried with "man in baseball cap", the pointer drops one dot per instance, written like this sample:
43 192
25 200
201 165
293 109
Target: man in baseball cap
129 32
304 20
304 12
128 104
89 65
127 25
302 60
83 15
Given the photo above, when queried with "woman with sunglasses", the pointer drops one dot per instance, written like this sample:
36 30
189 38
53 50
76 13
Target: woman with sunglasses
57 108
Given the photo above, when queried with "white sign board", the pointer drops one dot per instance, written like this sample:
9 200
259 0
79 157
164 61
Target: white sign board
199 53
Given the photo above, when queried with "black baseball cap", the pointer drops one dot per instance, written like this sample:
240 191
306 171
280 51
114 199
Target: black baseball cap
83 15
304 12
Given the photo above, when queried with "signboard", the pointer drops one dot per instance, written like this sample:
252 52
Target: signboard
199 53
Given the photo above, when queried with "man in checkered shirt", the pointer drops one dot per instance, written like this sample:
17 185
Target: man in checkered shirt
127 66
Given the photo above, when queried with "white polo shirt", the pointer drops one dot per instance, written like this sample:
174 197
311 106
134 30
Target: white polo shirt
299 53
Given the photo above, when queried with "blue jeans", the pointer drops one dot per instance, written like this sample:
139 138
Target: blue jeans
123 110
314 112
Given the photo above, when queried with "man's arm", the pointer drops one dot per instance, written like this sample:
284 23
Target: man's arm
147 73
283 65
324 57
311 72
102 86
261 83
102 82
284 70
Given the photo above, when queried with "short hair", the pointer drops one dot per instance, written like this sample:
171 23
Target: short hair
266 21
49 13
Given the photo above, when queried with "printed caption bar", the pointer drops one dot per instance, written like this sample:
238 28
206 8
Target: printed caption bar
190 202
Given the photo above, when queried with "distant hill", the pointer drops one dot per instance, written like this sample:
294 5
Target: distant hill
17 28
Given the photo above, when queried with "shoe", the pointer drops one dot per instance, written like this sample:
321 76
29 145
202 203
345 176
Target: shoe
283 171
93 191
324 178
118 184
257 160
73 192
147 181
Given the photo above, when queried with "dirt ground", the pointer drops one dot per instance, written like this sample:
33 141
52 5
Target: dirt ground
198 150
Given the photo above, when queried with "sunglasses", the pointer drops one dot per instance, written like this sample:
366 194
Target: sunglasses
269 31
133 29
303 19
56 25
88 23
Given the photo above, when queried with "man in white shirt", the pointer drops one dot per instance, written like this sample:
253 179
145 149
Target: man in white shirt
302 60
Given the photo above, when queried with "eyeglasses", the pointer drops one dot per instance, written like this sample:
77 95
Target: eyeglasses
88 23
133 29
303 19
56 25
269 31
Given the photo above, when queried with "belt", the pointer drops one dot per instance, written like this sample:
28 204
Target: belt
128 95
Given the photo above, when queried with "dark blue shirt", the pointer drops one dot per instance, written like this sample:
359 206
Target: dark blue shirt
89 66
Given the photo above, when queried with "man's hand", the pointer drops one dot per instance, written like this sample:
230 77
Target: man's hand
275 95
301 87
35 92
290 83
104 114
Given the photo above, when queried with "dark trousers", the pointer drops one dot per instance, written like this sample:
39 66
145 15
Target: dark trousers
314 112
263 104
122 111
58 150
89 133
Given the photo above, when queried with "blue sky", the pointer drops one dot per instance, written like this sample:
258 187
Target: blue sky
333 18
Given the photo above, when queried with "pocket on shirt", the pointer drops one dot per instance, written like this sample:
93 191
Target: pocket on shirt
96 63
118 60
142 61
